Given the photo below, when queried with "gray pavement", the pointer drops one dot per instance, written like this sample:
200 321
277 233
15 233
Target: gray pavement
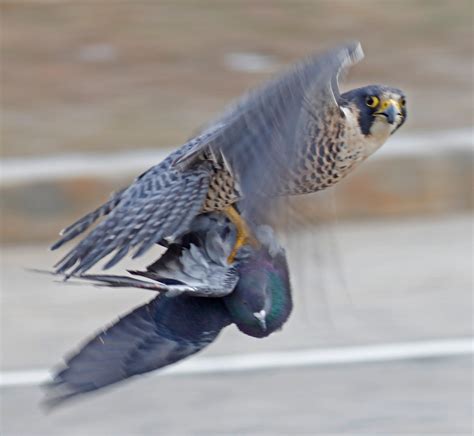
354 283
419 397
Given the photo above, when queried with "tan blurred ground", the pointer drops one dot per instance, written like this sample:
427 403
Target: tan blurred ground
111 75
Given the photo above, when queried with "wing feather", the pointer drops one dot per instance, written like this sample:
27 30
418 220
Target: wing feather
141 219
152 336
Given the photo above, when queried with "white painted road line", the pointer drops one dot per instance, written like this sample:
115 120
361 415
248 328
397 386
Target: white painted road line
62 167
286 359
35 169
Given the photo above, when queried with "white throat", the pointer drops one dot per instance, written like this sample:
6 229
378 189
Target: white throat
379 133
362 146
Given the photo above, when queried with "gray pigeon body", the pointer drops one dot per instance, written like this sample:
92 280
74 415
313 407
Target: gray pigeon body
200 293
296 134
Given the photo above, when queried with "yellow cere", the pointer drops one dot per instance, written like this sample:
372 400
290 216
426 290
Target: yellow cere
390 102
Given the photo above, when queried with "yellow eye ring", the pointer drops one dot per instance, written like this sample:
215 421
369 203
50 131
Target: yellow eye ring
403 102
372 101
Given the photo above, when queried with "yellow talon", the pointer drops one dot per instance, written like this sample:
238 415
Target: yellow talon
244 236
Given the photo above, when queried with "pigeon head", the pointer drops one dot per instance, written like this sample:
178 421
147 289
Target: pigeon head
261 301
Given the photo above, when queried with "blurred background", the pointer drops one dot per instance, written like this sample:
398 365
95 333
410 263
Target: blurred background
94 92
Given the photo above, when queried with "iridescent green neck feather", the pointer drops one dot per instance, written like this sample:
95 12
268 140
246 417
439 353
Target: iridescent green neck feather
261 301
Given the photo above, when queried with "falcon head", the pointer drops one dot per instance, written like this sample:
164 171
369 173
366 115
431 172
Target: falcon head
379 110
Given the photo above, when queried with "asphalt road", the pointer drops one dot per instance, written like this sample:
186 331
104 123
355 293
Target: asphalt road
359 283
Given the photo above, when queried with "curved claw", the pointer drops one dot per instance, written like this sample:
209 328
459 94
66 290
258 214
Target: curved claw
244 235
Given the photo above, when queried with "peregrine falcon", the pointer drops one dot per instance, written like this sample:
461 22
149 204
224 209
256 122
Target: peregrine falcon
253 292
296 134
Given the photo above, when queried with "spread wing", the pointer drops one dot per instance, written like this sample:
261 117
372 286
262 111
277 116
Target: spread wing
154 335
160 203
265 134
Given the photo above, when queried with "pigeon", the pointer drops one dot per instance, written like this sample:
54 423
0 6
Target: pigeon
199 293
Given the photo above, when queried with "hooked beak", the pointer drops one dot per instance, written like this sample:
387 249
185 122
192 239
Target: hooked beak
260 316
390 109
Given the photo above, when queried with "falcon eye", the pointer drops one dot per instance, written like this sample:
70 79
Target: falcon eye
372 101
403 102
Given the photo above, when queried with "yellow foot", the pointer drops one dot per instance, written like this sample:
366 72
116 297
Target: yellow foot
244 236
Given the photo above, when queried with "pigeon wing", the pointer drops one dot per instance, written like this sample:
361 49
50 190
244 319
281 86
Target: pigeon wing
155 335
